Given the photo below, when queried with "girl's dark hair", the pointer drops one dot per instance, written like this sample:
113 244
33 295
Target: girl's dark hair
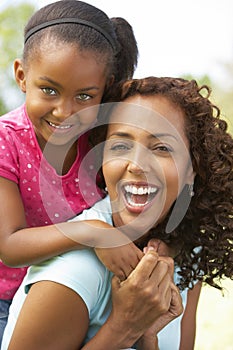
121 62
205 235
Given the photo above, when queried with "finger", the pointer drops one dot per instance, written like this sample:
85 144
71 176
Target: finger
145 267
176 301
159 271
130 261
116 283
135 256
170 262
154 243
164 293
164 288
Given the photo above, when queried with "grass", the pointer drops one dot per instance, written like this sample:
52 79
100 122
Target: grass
215 318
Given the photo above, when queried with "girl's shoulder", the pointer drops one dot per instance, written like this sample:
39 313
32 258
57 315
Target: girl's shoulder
15 120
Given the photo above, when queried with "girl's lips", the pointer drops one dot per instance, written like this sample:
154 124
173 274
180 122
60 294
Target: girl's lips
138 197
59 126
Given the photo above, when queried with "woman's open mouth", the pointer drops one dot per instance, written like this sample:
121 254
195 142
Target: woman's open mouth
139 197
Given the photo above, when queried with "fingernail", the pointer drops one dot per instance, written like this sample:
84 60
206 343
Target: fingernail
150 248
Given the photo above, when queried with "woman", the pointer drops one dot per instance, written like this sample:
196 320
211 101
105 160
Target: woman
167 165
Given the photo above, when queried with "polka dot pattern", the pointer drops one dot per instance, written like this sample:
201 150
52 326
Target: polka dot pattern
48 198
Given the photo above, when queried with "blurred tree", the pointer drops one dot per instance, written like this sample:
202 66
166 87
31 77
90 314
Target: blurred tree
12 22
224 95
221 96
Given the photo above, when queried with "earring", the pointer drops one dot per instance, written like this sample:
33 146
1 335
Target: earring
180 208
190 190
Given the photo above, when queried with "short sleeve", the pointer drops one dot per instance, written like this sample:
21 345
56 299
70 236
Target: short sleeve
9 168
79 270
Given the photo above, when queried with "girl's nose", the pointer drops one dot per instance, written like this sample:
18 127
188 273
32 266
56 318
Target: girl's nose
64 109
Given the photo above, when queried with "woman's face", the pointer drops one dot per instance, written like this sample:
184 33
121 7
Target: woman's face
146 161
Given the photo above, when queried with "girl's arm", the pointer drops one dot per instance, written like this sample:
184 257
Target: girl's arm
55 317
188 324
20 246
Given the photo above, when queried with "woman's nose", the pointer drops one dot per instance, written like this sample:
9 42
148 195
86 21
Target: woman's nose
139 160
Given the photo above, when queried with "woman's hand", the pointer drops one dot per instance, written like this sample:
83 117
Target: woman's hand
140 300
149 340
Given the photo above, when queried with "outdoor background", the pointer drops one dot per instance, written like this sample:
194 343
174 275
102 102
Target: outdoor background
186 38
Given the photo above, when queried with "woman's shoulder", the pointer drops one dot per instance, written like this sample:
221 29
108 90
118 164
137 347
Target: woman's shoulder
79 270
101 210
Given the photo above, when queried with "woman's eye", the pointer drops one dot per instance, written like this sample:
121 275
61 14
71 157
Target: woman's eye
49 91
119 147
163 148
83 97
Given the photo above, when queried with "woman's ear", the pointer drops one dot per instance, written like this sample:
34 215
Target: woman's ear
20 76
190 175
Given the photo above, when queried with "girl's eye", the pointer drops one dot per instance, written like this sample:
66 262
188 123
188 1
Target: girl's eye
49 91
83 97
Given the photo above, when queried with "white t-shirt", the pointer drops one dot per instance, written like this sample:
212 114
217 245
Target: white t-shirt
83 272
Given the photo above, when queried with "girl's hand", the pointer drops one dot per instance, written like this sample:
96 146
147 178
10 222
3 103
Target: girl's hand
120 260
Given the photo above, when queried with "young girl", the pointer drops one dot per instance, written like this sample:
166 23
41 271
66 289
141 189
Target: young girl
167 164
73 52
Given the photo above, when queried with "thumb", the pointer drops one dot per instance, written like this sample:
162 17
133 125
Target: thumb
116 282
176 301
153 243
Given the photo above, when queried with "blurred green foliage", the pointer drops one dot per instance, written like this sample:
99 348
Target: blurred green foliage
220 96
11 46
12 22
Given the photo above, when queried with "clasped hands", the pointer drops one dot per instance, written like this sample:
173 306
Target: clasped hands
147 300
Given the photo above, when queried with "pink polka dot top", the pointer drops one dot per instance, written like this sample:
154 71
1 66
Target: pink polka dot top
48 198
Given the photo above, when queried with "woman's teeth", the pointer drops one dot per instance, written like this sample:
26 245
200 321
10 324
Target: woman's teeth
140 190
139 196
61 127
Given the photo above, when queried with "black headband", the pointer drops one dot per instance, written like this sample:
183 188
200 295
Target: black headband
71 20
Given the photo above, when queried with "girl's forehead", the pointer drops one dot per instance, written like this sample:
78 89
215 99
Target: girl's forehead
64 63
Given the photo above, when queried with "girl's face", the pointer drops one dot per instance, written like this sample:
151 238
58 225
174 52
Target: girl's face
59 84
146 161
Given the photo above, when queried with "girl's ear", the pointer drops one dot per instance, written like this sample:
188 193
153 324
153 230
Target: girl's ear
110 81
20 76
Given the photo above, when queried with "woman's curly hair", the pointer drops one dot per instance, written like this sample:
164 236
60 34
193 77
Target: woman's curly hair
205 235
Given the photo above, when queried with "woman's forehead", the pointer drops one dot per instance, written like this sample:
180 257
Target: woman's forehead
152 113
